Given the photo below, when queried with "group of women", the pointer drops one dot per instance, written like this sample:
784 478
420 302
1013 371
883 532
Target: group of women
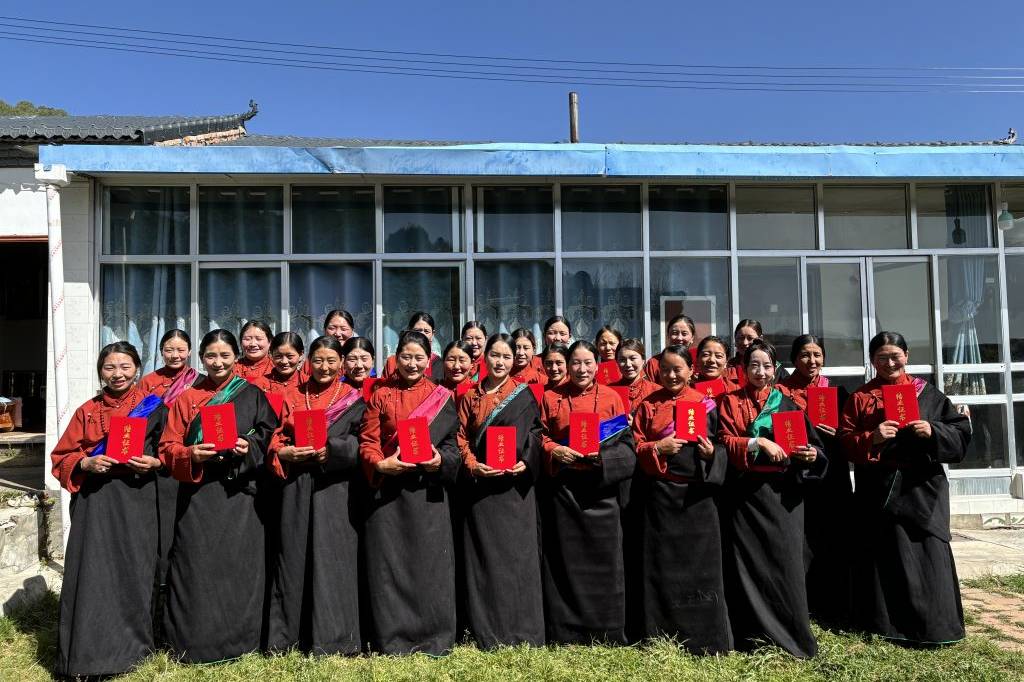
721 541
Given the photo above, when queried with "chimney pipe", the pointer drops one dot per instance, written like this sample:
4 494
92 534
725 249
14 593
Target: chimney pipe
574 117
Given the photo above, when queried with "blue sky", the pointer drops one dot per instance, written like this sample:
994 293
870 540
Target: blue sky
866 33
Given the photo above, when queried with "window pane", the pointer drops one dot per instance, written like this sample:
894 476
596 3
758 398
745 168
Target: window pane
408 290
770 293
1018 426
601 218
988 448
241 219
850 383
229 298
865 217
515 219
317 288
147 220
972 383
1015 305
600 292
333 220
515 294
969 309
952 216
421 220
1014 197
688 218
698 287
903 303
834 311
141 302
775 218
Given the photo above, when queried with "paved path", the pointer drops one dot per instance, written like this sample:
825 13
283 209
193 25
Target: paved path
988 552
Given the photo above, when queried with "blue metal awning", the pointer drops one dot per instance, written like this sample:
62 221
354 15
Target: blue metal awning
544 160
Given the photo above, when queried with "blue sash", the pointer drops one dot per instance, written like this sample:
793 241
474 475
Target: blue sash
143 409
609 428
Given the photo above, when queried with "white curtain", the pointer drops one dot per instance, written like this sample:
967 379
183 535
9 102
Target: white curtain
317 288
511 295
600 292
229 298
966 217
408 290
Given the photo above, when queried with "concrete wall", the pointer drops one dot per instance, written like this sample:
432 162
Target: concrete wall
81 314
22 204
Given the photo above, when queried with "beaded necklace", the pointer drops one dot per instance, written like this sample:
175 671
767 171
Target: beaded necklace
337 390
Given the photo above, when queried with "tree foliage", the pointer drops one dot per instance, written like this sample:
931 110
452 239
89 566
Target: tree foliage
26 108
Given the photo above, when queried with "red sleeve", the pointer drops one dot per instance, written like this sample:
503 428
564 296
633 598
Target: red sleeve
732 433
280 439
390 365
612 399
548 417
173 452
149 382
462 437
69 452
651 461
855 429
370 451
652 369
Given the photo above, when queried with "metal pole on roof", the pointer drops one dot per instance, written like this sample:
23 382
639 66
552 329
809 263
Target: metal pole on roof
574 117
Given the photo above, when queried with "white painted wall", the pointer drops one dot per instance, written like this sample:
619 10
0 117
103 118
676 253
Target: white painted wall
80 288
22 204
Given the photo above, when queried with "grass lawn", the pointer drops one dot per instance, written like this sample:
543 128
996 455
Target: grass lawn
28 637
999 583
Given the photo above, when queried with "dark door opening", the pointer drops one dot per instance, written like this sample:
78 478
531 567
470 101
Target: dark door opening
23 329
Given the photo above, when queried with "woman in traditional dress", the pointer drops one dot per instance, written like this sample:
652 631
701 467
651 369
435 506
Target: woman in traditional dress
175 347
474 335
555 360
746 332
315 595
526 366
682 587
357 356
828 505
905 582
556 330
583 569
105 621
764 515
255 362
286 358
607 341
712 363
217 577
340 324
630 357
423 323
408 548
680 331
500 554
458 367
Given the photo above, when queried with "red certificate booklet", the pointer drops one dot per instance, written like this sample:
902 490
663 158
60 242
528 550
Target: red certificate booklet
501 447
414 440
900 401
712 388
310 428
585 432
126 438
691 420
823 405
623 392
276 401
218 422
608 372
790 430
538 392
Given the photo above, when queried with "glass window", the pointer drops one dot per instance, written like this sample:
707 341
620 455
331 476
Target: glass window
865 217
1015 305
972 383
515 219
688 218
411 289
600 292
969 309
141 302
513 294
951 216
1018 427
770 293
903 303
241 219
1013 195
988 448
317 288
601 218
775 218
147 220
850 383
834 311
229 297
422 219
333 220
698 287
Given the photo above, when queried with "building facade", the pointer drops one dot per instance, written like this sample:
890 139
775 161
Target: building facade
840 241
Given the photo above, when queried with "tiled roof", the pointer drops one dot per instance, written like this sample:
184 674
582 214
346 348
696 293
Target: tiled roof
297 141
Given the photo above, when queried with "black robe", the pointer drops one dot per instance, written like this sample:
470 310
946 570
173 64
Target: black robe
764 561
828 525
683 591
111 566
217 580
500 550
906 585
315 586
408 552
582 538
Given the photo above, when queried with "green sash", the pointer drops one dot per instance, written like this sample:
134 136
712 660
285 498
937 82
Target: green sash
495 412
225 395
762 426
